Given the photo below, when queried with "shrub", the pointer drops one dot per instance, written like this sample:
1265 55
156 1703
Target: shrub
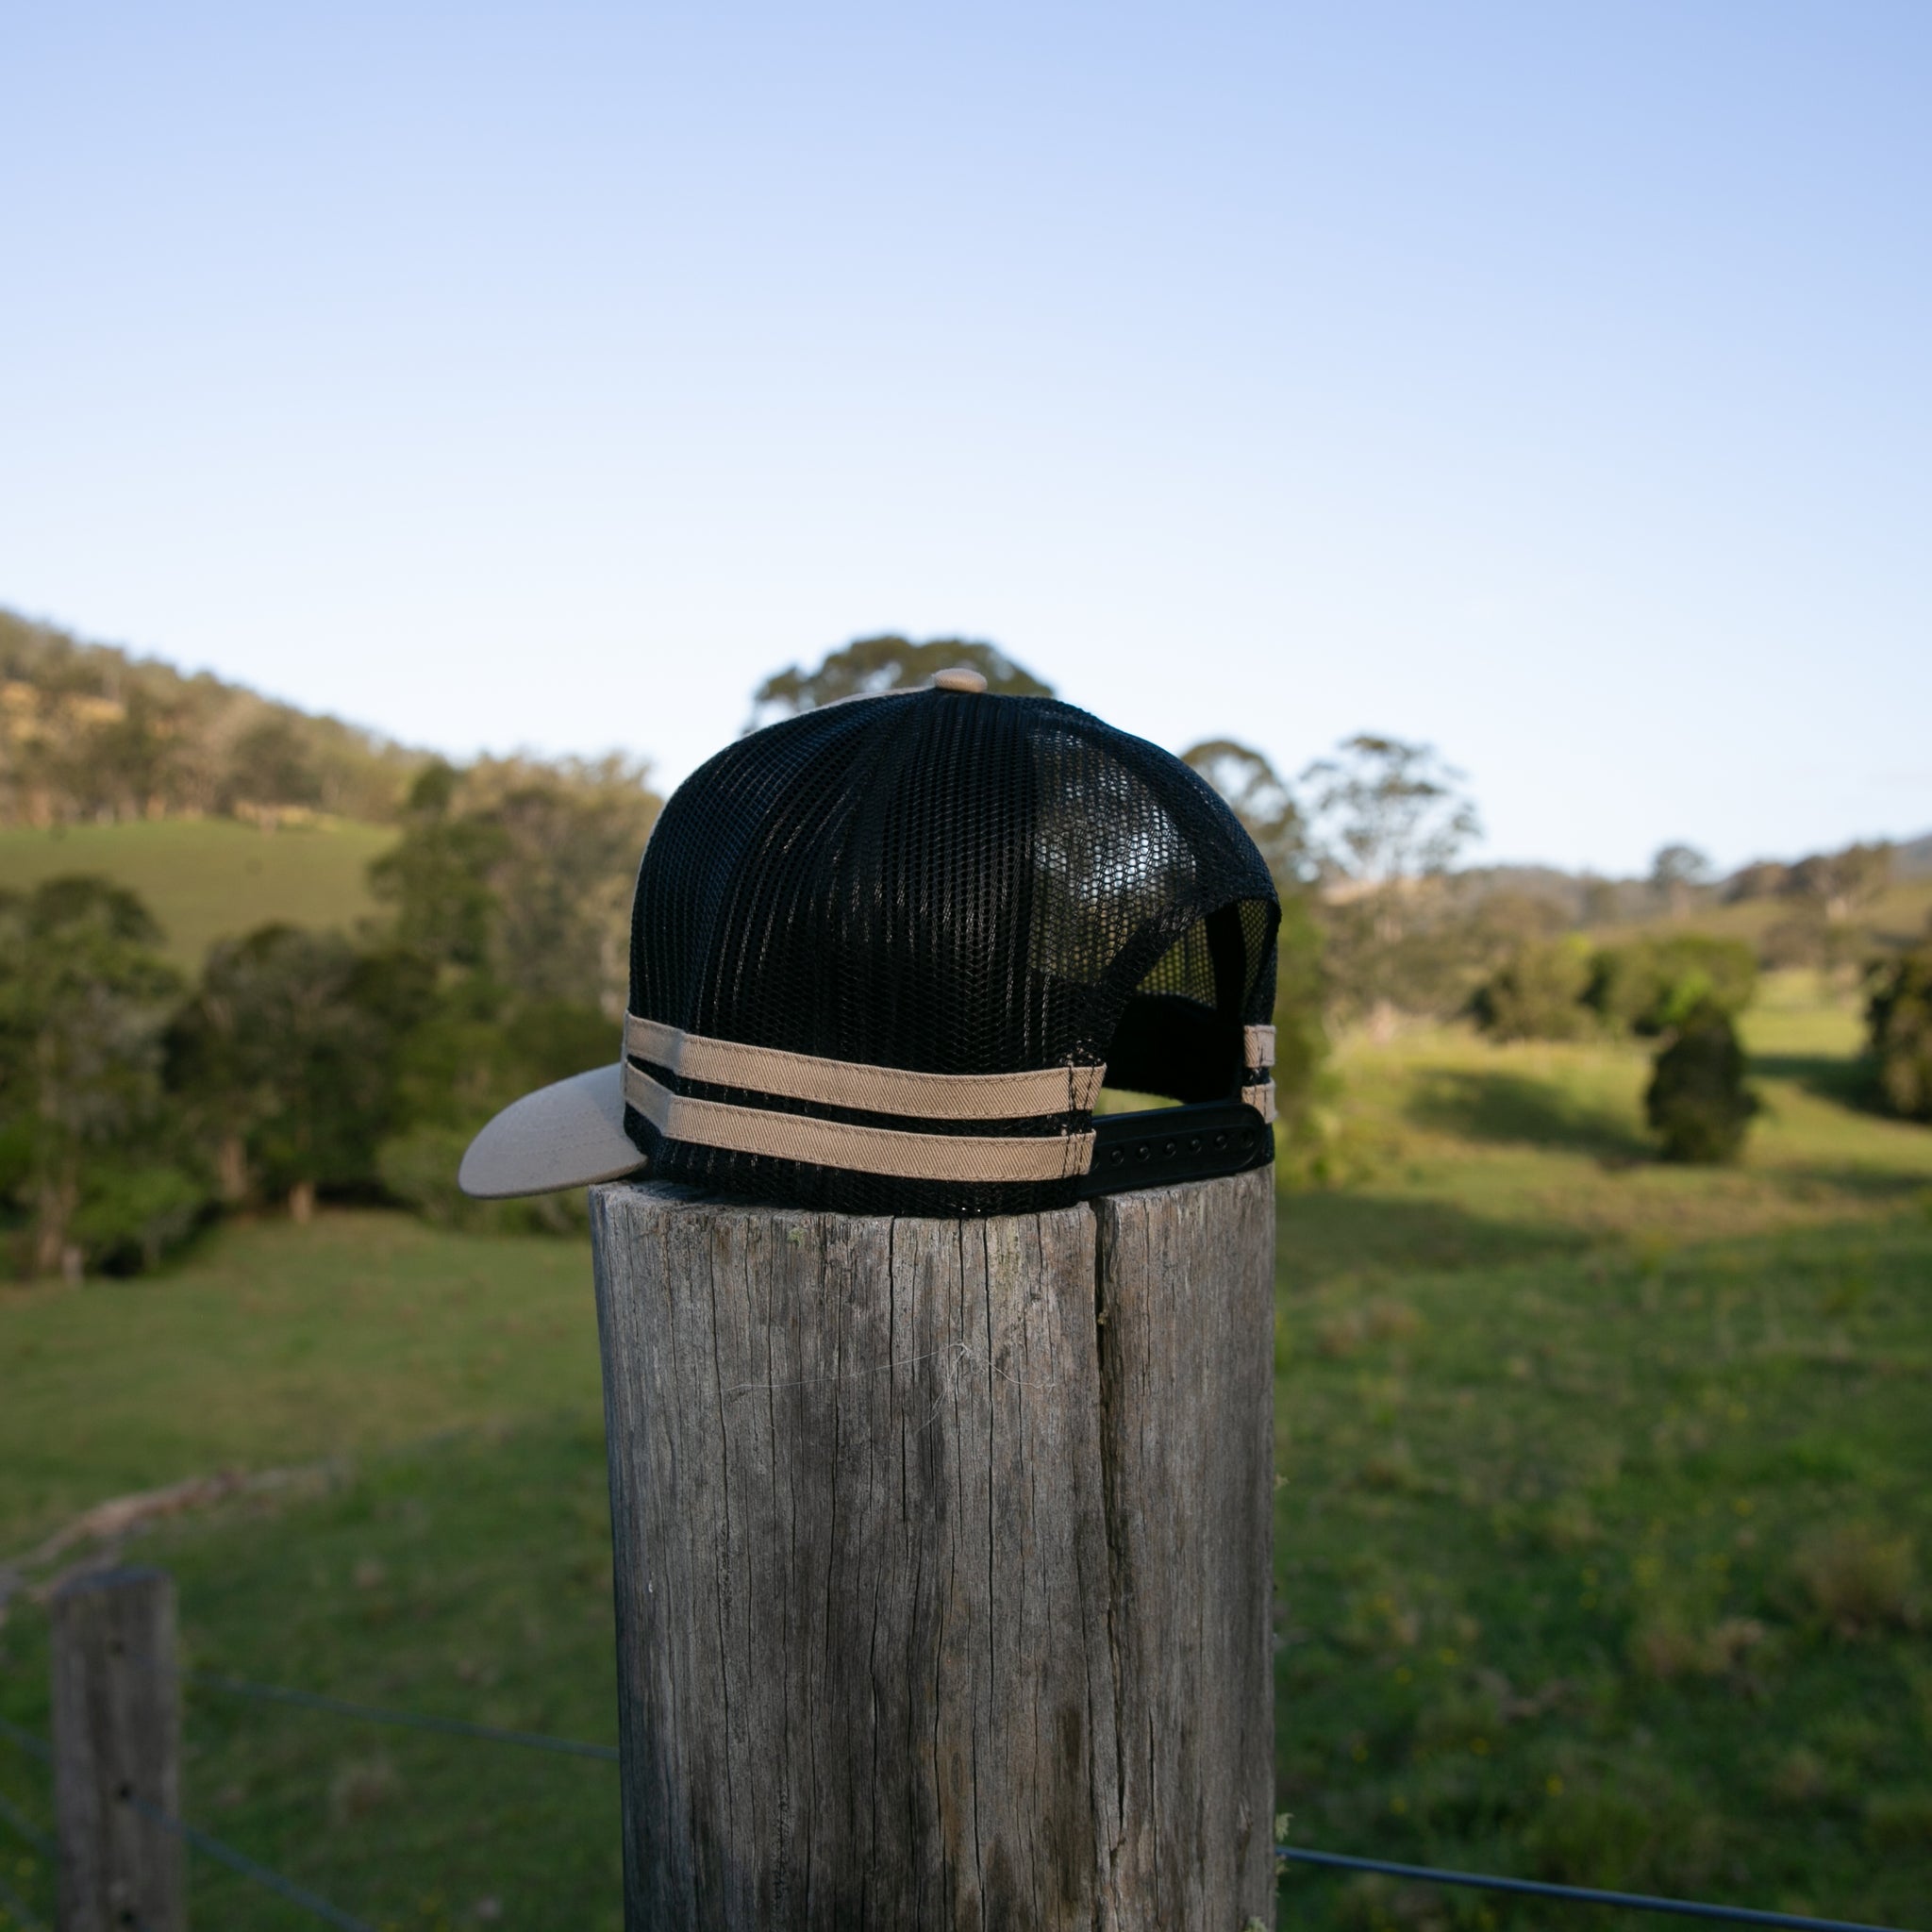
418 1168
1536 993
1301 1039
1653 985
1899 1016
1698 1102
130 1216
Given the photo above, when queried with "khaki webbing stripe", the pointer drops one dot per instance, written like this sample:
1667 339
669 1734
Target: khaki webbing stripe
1259 1042
872 1090
1262 1099
861 1150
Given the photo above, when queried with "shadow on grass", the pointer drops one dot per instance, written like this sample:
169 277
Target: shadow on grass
1510 1108
1872 1186
1828 1077
1324 1236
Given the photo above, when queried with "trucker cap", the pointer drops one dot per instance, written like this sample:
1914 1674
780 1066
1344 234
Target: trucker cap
885 955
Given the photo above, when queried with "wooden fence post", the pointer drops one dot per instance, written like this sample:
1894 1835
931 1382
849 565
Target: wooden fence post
117 1735
942 1562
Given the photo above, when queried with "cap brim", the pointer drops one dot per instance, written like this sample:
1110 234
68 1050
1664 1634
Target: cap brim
565 1136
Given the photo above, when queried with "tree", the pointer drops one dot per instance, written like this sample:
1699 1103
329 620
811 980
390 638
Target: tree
1385 811
1538 993
438 878
1651 986
1839 883
563 890
126 766
873 665
523 874
84 995
287 1055
482 1048
1261 800
1697 1100
1388 819
1675 873
1898 1014
269 769
1763 878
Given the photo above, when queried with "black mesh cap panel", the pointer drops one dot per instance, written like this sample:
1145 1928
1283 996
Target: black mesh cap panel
949 882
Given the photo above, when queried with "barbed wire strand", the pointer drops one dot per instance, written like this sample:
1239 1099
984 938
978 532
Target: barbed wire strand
16 1908
240 1861
33 1746
535 1740
1577 1895
12 1814
408 1719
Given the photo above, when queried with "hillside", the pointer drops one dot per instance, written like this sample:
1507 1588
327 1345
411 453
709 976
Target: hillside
88 732
206 879
1899 916
1913 860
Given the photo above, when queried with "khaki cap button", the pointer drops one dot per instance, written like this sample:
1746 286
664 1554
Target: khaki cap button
964 678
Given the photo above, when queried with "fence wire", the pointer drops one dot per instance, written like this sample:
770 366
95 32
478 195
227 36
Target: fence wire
240 1861
1575 1894
571 1747
407 1720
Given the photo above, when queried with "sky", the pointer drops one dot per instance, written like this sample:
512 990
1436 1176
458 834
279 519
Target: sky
1545 383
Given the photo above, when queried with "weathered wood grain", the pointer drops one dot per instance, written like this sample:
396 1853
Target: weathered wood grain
117 1733
1188 1406
869 1575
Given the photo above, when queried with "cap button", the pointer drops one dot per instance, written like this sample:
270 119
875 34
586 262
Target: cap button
964 678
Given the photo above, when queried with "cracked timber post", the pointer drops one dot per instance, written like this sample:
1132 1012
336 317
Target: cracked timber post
942 1562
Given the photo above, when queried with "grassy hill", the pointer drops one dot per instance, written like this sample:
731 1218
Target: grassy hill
1900 916
1602 1545
211 878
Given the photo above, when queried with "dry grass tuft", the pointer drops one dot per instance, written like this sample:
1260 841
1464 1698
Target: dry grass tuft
1350 1331
1663 1646
1858 1579
1802 1778
1899 1821
360 1789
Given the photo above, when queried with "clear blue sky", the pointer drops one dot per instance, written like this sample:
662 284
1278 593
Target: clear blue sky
1550 382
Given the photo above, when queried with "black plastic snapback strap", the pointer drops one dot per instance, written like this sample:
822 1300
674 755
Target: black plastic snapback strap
1165 1144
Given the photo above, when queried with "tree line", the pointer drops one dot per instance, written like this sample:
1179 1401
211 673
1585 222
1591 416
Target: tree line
135 1102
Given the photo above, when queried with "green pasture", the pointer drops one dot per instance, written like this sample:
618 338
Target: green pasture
276 1346
1604 1535
1604 1516
206 879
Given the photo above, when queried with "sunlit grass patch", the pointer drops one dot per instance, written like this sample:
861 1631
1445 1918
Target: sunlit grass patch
206 879
1588 1517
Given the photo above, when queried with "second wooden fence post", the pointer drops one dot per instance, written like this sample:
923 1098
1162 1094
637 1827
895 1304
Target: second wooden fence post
942 1562
117 1748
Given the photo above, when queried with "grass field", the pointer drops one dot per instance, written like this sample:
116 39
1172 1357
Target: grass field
1602 1541
206 879
1606 1504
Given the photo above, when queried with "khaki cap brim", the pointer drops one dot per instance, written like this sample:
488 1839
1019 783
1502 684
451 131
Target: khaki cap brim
565 1136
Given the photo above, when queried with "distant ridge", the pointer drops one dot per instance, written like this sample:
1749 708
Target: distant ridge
92 734
1912 858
